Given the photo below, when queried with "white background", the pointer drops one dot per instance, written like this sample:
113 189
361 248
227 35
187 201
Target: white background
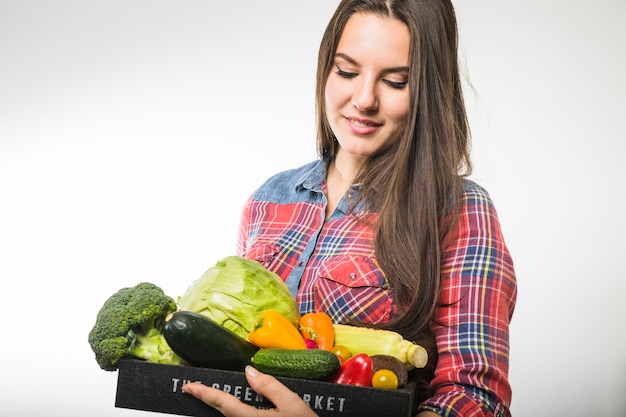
131 133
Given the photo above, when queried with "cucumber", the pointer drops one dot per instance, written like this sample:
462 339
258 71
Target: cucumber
314 364
202 342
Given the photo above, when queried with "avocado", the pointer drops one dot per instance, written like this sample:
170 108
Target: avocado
393 364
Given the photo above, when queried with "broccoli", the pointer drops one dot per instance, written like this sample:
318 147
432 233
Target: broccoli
129 325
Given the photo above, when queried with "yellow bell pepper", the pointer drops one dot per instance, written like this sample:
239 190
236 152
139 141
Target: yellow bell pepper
273 330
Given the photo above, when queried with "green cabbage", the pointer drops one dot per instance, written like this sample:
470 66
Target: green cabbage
236 291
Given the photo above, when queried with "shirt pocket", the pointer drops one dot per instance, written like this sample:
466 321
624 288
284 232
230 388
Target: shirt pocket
354 288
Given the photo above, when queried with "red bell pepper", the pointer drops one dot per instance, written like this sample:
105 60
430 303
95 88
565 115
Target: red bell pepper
356 370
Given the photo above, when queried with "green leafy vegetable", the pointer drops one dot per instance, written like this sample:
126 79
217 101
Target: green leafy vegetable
236 291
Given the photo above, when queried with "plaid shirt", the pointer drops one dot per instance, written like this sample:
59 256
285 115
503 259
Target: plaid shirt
331 266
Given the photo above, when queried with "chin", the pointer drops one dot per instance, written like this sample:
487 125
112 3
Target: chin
358 150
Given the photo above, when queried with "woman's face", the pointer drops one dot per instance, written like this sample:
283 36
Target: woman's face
367 97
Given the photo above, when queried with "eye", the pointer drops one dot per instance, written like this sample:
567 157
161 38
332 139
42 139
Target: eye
345 74
395 84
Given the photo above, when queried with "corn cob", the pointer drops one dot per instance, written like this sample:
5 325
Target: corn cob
380 342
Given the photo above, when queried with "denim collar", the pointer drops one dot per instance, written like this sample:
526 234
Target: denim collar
313 178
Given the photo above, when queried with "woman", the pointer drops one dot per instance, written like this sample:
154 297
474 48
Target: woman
389 194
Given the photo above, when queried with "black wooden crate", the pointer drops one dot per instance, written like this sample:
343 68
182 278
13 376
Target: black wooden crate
153 387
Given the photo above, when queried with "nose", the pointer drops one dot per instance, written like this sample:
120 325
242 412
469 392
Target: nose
365 98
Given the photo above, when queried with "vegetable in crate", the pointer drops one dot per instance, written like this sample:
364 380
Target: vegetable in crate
392 364
318 327
380 342
236 291
385 379
129 324
273 330
342 352
356 370
202 342
315 364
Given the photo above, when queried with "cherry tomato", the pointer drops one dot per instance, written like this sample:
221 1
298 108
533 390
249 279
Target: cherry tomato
385 379
342 352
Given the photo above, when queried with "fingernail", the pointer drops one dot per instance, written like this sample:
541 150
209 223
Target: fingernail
185 389
252 371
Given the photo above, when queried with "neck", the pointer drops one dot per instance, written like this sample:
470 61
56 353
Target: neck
344 168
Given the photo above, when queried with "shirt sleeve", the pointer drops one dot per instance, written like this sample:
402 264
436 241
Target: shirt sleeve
471 326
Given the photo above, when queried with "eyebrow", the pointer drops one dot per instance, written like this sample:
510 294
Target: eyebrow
353 62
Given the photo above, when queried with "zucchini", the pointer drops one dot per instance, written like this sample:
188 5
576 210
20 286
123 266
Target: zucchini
203 342
314 364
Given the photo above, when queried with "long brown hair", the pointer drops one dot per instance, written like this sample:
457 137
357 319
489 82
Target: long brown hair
415 184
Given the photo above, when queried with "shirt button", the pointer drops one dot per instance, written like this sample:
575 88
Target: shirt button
352 275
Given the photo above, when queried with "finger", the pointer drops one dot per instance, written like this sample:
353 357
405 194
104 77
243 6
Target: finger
286 401
223 402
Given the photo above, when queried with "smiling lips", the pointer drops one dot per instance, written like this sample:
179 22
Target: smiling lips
362 126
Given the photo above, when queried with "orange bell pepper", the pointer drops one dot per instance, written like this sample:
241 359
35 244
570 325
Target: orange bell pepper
319 328
273 330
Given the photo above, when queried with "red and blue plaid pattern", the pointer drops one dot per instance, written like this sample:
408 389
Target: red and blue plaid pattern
340 276
331 266
479 291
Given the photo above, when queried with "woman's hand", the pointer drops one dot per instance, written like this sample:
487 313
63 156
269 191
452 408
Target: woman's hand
287 402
